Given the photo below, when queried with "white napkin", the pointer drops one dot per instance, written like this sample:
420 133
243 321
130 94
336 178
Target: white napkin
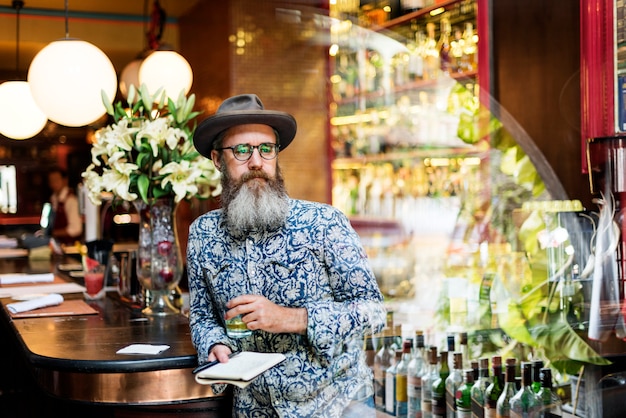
52 299
15 278
143 349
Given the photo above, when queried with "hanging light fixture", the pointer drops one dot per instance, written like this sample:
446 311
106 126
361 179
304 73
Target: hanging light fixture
159 66
20 118
67 78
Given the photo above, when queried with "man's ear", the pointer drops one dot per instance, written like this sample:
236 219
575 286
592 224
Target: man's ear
215 158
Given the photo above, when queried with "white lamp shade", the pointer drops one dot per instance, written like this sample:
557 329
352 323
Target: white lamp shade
67 78
130 77
167 69
20 117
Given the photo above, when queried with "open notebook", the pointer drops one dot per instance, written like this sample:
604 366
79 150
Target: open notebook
240 370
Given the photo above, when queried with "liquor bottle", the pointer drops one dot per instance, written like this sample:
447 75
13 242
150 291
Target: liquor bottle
370 351
479 388
451 349
493 391
416 56
550 401
453 381
428 378
431 53
402 396
384 358
464 395
537 365
503 405
445 60
525 402
464 349
439 387
469 48
416 369
390 385
475 369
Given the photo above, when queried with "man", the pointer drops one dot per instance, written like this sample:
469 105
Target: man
67 221
295 271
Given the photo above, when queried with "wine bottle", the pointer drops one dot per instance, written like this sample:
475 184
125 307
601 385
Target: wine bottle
493 391
453 381
464 349
402 380
439 387
550 401
503 405
416 369
428 379
479 388
463 396
525 402
537 365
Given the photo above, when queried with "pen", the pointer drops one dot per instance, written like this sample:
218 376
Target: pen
212 363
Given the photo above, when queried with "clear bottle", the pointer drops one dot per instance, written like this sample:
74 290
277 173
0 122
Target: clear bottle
493 391
464 395
431 53
384 358
525 402
428 378
537 365
503 405
416 369
390 385
439 387
479 388
468 59
550 401
453 381
402 396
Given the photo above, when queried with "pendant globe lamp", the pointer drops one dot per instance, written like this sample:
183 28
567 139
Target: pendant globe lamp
158 66
67 78
166 69
20 117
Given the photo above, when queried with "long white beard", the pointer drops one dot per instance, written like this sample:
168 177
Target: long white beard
256 207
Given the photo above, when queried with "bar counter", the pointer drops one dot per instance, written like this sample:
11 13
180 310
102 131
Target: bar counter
73 357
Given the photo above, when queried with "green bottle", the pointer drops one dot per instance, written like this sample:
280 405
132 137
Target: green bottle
508 391
479 388
464 395
550 401
428 379
493 391
525 402
537 365
439 387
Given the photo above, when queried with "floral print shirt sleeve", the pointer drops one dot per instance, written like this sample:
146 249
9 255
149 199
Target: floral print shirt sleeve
316 261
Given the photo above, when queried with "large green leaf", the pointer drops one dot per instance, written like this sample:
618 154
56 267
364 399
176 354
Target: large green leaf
514 324
564 347
143 184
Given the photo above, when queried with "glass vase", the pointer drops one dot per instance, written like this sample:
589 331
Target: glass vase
159 259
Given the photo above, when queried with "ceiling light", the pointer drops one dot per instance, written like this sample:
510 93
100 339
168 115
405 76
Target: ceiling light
67 78
20 118
168 70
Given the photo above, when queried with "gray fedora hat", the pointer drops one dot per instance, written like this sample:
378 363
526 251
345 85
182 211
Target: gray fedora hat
242 110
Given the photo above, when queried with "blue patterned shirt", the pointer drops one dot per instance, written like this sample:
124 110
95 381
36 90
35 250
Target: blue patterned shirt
315 261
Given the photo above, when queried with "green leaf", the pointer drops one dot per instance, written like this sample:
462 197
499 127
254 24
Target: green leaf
514 324
566 349
143 184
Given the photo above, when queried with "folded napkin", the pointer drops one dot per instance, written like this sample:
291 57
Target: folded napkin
143 349
16 278
52 299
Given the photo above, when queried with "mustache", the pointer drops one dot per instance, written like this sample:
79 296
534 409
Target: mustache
254 175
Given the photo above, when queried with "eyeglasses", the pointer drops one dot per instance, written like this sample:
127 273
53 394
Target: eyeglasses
243 152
